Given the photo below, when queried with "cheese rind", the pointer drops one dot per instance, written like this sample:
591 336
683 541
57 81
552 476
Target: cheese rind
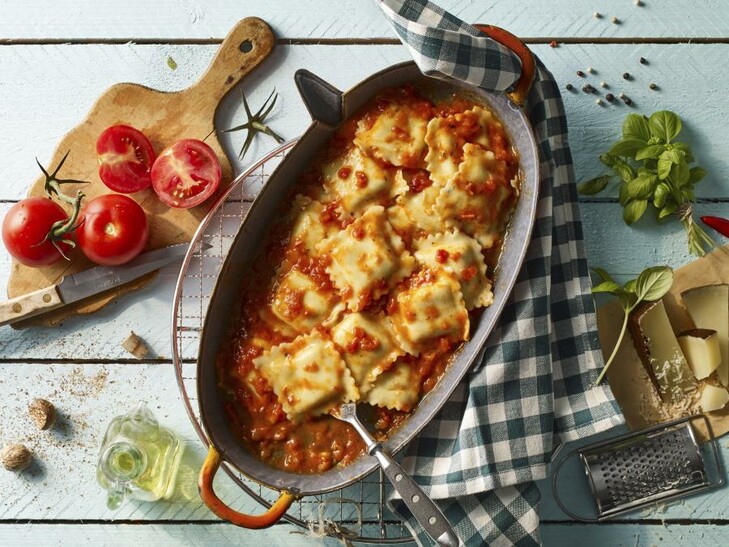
713 398
708 307
660 352
701 349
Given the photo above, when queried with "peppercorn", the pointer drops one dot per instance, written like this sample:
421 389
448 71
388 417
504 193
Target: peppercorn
603 84
626 75
553 43
588 89
652 86
642 61
627 100
614 20
609 97
597 15
580 74
569 87
598 102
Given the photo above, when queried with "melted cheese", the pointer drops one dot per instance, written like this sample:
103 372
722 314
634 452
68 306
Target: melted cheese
445 141
397 136
300 303
461 255
367 259
367 345
398 388
308 376
356 181
430 307
473 204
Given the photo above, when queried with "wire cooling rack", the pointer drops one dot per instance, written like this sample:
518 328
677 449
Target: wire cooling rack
357 513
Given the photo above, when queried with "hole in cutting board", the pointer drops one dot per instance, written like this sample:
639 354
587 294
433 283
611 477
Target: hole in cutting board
246 46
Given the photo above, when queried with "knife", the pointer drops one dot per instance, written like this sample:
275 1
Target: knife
78 286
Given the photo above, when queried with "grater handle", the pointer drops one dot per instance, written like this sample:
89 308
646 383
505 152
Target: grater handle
555 493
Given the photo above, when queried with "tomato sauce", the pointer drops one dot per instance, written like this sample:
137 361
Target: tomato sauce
316 444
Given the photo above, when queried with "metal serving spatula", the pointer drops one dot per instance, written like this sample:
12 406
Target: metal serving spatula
421 506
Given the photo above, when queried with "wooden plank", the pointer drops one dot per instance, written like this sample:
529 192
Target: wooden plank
35 118
633 535
167 19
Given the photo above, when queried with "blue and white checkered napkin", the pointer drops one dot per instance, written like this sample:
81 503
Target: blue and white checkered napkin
481 455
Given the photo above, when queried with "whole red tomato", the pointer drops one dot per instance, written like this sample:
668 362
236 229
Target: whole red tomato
186 174
113 229
125 159
27 231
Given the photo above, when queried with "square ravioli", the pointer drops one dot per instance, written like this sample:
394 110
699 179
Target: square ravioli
397 135
471 200
308 229
356 181
300 303
447 135
461 255
414 213
429 306
367 345
307 375
366 259
398 388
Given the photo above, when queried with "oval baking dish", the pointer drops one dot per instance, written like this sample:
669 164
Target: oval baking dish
329 109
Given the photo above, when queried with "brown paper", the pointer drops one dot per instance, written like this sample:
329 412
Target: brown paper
628 379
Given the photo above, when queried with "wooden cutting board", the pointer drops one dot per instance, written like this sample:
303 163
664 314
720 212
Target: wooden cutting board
164 117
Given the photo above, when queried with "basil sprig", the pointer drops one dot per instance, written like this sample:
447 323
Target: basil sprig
650 285
653 171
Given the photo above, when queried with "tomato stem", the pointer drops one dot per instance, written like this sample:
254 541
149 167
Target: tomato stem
255 124
53 184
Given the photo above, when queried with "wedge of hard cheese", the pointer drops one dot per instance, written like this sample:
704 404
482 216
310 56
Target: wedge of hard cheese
701 349
713 398
709 309
660 352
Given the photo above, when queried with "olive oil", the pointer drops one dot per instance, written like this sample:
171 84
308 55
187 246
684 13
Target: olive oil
139 458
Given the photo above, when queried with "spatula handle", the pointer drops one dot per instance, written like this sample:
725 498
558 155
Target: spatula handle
425 511
30 304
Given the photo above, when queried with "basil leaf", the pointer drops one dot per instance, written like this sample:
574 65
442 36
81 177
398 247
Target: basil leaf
679 174
642 186
629 286
607 159
667 160
623 195
624 171
610 287
653 283
665 125
668 209
686 149
661 193
636 126
696 174
593 186
627 147
634 210
650 152
602 273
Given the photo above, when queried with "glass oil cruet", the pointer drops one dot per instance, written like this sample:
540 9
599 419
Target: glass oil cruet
139 458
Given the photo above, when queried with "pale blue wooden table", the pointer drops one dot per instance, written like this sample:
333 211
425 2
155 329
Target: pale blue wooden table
57 57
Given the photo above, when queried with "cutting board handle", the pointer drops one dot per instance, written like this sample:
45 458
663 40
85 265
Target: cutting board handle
250 41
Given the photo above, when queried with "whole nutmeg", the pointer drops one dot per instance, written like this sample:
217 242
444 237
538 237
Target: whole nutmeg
15 457
43 413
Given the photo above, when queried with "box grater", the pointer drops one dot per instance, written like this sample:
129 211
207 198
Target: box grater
656 464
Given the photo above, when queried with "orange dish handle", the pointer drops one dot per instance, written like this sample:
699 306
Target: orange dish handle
528 66
216 505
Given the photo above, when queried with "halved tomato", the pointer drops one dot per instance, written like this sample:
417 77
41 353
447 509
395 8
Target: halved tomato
125 159
186 174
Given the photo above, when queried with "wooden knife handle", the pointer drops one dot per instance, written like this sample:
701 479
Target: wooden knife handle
30 304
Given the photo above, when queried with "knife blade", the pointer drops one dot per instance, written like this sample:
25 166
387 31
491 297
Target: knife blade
75 287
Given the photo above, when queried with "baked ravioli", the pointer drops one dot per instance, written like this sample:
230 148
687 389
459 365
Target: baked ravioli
370 277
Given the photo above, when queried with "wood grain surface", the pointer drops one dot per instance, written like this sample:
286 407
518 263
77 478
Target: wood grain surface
165 117
56 58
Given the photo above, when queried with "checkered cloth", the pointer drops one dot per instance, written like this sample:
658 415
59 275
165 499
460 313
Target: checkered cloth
494 437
